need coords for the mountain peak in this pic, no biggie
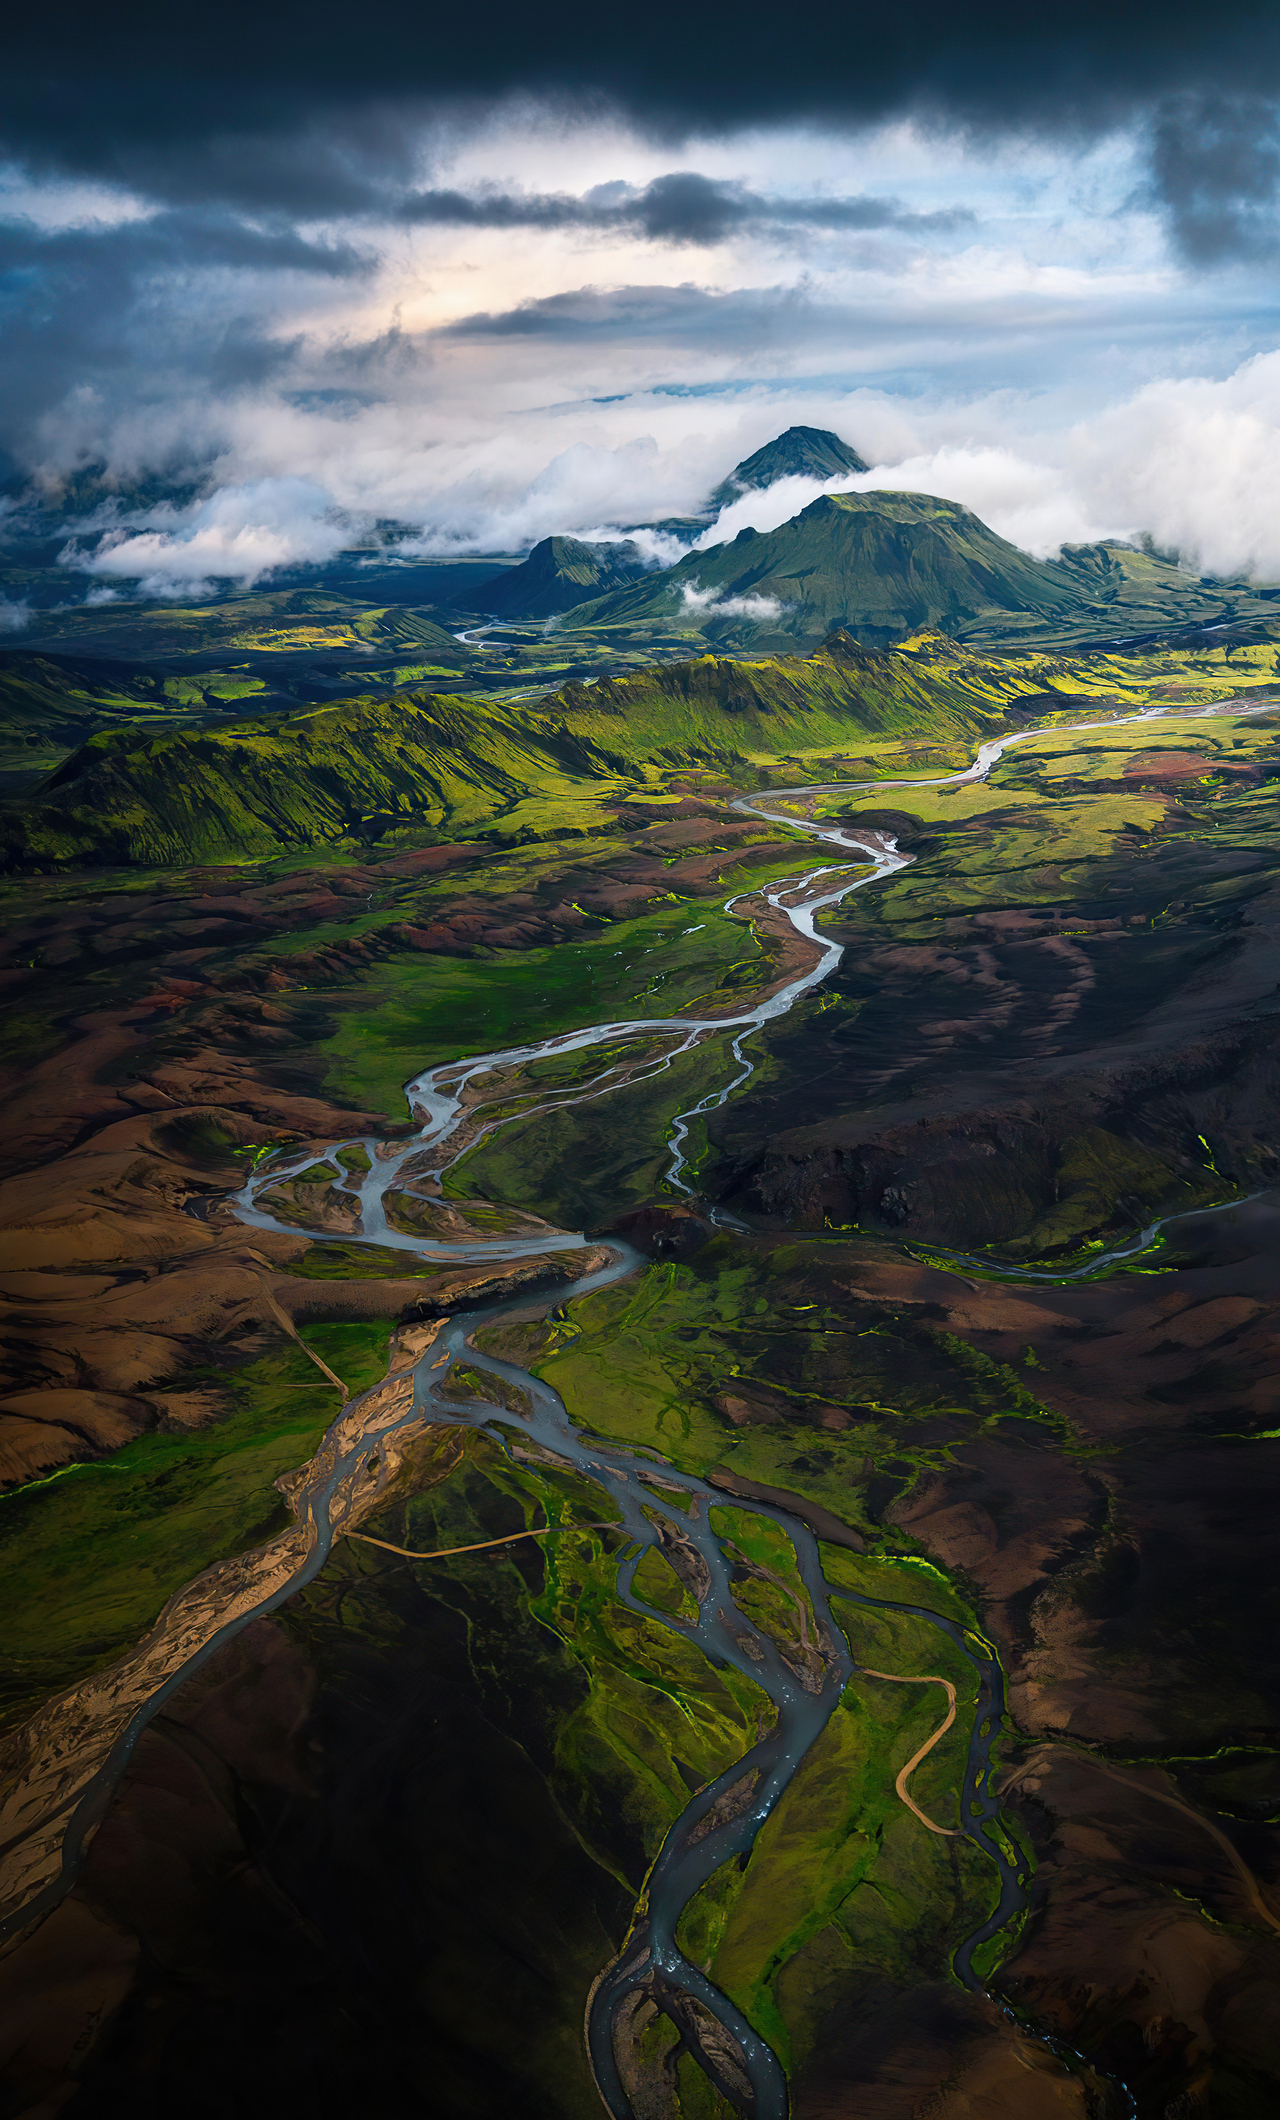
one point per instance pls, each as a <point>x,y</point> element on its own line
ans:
<point>802,452</point>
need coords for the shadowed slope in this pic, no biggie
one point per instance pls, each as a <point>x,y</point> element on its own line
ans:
<point>560,572</point>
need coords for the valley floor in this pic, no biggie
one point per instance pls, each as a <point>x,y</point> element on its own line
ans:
<point>373,1853</point>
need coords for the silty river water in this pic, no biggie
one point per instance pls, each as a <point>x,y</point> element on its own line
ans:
<point>722,1820</point>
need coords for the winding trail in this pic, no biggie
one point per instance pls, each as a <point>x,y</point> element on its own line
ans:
<point>899,1678</point>
<point>80,1744</point>
<point>446,1553</point>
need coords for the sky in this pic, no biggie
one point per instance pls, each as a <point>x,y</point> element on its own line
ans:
<point>276,282</point>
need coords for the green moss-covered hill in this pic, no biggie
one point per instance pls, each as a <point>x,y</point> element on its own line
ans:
<point>844,693</point>
<point>247,787</point>
<point>46,706</point>
<point>49,704</point>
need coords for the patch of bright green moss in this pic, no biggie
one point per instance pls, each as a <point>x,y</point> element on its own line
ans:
<point>844,1883</point>
<point>422,1009</point>
<point>356,1350</point>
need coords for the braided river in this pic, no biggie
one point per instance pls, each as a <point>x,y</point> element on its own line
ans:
<point>455,1105</point>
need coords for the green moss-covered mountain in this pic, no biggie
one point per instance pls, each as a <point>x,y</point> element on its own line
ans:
<point>802,452</point>
<point>563,572</point>
<point>47,706</point>
<point>886,565</point>
<point>883,564</point>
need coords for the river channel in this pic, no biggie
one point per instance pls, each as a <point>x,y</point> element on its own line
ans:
<point>721,1821</point>
<point>455,1105</point>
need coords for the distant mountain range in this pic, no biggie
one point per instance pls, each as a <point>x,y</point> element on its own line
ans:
<point>881,564</point>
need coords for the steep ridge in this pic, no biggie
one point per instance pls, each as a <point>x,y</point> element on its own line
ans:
<point>429,760</point>
<point>258,785</point>
<point>843,692</point>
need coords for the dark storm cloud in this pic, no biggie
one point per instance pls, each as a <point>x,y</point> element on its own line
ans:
<point>314,109</point>
<point>743,318</point>
<point>1004,339</point>
<point>682,207</point>
<point>255,69</point>
<point>101,302</point>
<point>1216,168</point>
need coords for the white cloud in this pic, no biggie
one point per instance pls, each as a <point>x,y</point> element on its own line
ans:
<point>657,548</point>
<point>1030,503</point>
<point>1010,368</point>
<point>759,607</point>
<point>13,617</point>
<point>767,509</point>
<point>239,534</point>
<point>1192,461</point>
<point>1025,501</point>
<point>591,488</point>
<point>1197,463</point>
<point>61,202</point>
